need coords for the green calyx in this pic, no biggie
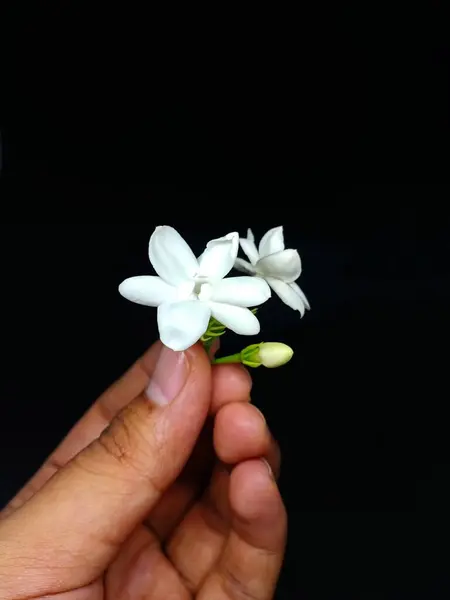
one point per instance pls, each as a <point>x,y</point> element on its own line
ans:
<point>248,356</point>
<point>215,330</point>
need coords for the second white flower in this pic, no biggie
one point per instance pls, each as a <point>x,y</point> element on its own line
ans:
<point>279,266</point>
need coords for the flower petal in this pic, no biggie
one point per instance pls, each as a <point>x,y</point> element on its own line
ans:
<point>171,256</point>
<point>218,258</point>
<point>297,289</point>
<point>181,324</point>
<point>147,290</point>
<point>238,319</point>
<point>242,265</point>
<point>271,242</point>
<point>287,294</point>
<point>241,291</point>
<point>285,265</point>
<point>249,247</point>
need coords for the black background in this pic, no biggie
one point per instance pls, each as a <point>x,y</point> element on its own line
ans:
<point>334,124</point>
<point>354,93</point>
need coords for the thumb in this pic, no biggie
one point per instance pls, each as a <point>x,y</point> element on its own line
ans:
<point>84,513</point>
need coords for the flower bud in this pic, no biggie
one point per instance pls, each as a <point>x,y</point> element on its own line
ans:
<point>275,354</point>
<point>268,354</point>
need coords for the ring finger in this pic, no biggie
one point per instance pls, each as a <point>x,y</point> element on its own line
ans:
<point>240,433</point>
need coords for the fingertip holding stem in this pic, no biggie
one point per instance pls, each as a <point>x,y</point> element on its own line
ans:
<point>231,383</point>
<point>213,348</point>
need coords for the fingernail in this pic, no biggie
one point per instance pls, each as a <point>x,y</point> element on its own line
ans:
<point>268,467</point>
<point>168,377</point>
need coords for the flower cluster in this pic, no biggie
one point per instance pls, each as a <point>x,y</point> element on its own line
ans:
<point>193,295</point>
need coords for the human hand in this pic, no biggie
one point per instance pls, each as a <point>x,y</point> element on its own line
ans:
<point>158,493</point>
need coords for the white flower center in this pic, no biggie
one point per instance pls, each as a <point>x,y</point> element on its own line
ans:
<point>258,271</point>
<point>195,290</point>
<point>205,292</point>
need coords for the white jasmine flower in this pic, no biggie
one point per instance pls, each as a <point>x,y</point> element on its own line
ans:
<point>188,291</point>
<point>280,267</point>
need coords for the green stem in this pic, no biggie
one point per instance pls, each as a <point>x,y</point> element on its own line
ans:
<point>232,358</point>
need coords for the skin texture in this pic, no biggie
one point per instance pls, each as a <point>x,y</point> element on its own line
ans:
<point>147,502</point>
